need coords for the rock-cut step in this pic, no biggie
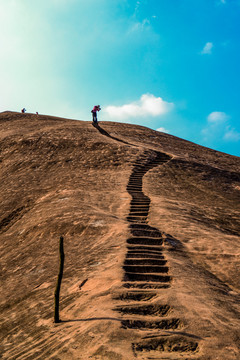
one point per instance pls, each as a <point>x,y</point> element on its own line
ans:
<point>175,343</point>
<point>128,276</point>
<point>146,269</point>
<point>144,310</point>
<point>136,296</point>
<point>145,241</point>
<point>136,208</point>
<point>145,285</point>
<point>141,219</point>
<point>138,213</point>
<point>141,255</point>
<point>134,187</point>
<point>144,253</point>
<point>145,262</point>
<point>146,248</point>
<point>172,323</point>
<point>147,233</point>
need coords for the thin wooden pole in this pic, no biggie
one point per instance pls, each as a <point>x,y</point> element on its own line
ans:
<point>59,280</point>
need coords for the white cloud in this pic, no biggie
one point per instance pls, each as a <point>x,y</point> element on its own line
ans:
<point>139,26</point>
<point>148,105</point>
<point>137,6</point>
<point>218,128</point>
<point>217,117</point>
<point>207,48</point>
<point>231,134</point>
<point>162,129</point>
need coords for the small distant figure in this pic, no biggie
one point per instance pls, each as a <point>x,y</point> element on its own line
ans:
<point>94,113</point>
<point>23,111</point>
<point>37,112</point>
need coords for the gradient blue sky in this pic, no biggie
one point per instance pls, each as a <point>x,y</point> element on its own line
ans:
<point>171,65</point>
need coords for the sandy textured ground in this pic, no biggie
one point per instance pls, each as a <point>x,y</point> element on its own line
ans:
<point>151,236</point>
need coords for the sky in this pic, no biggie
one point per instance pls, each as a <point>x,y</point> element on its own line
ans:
<point>172,66</point>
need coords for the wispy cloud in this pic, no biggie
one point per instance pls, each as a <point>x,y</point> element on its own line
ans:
<point>220,2</point>
<point>231,134</point>
<point>217,117</point>
<point>216,126</point>
<point>138,3</point>
<point>162,129</point>
<point>207,48</point>
<point>139,26</point>
<point>219,128</point>
<point>148,105</point>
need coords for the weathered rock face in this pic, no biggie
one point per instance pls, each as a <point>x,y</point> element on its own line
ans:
<point>151,235</point>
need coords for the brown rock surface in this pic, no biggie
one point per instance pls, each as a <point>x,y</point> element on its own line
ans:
<point>151,235</point>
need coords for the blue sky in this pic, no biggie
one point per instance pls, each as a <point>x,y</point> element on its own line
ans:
<point>171,65</point>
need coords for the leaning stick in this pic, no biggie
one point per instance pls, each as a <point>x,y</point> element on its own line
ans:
<point>59,280</point>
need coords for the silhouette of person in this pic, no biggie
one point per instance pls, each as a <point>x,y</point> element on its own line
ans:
<point>94,113</point>
<point>23,110</point>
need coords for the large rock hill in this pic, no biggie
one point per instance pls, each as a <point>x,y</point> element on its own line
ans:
<point>151,238</point>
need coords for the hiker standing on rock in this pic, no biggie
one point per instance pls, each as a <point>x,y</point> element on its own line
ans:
<point>94,113</point>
